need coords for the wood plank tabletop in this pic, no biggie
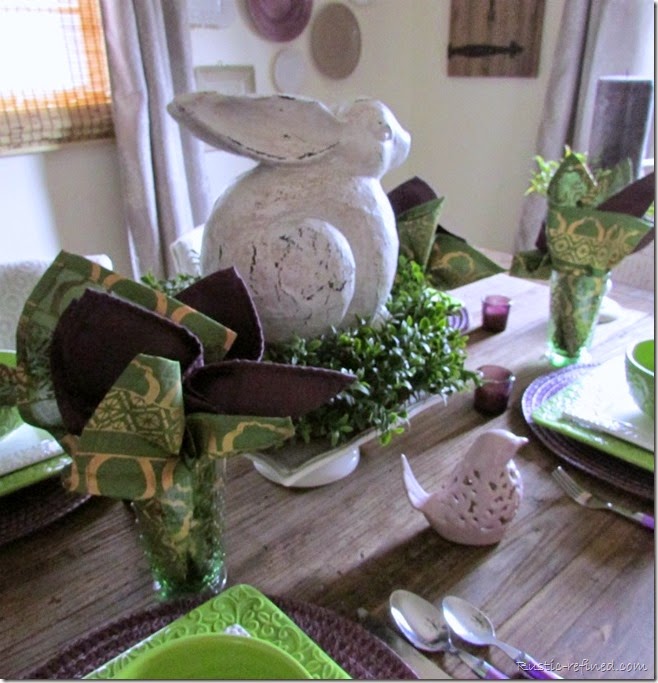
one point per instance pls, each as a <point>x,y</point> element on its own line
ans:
<point>572,586</point>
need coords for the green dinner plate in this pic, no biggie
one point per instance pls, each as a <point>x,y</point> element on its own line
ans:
<point>27,436</point>
<point>215,656</point>
<point>582,392</point>
<point>33,474</point>
<point>240,606</point>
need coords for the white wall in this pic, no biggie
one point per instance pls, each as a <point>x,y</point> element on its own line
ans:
<point>472,138</point>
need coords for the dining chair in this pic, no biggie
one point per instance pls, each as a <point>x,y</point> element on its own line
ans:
<point>186,251</point>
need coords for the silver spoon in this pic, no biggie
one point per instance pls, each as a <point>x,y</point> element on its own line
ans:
<point>473,626</point>
<point>422,625</point>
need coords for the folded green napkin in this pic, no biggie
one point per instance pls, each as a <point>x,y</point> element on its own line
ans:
<point>449,261</point>
<point>588,231</point>
<point>417,230</point>
<point>134,383</point>
<point>139,443</point>
<point>585,237</point>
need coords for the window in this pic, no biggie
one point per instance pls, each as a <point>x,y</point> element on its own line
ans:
<point>54,82</point>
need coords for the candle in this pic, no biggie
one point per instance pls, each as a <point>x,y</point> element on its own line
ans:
<point>495,310</point>
<point>492,396</point>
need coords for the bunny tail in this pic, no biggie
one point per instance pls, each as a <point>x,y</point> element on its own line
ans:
<point>415,492</point>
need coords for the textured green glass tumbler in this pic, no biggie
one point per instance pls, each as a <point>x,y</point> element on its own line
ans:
<point>574,310</point>
<point>182,533</point>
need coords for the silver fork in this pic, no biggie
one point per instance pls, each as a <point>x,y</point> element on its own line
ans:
<point>587,499</point>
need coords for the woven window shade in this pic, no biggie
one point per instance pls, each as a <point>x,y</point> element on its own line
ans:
<point>54,83</point>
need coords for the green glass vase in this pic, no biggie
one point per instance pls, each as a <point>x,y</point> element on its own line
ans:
<point>182,531</point>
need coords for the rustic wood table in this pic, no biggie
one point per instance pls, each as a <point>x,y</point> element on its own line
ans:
<point>573,586</point>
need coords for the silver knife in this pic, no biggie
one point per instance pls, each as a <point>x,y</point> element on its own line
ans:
<point>419,664</point>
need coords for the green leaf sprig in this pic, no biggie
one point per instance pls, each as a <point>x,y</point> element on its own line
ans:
<point>170,286</point>
<point>607,180</point>
<point>414,352</point>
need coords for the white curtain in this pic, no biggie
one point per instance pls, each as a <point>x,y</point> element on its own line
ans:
<point>597,38</point>
<point>165,190</point>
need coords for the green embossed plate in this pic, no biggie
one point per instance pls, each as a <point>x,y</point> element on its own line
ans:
<point>49,456</point>
<point>599,390</point>
<point>595,462</point>
<point>243,606</point>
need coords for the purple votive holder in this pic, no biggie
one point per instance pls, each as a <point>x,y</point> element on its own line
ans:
<point>492,396</point>
<point>495,311</point>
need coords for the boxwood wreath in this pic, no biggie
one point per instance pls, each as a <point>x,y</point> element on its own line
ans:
<point>415,352</point>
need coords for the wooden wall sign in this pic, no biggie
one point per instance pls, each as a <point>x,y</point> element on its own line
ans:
<point>495,37</point>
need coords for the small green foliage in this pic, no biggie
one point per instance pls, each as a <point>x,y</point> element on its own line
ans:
<point>171,286</point>
<point>541,178</point>
<point>606,181</point>
<point>412,353</point>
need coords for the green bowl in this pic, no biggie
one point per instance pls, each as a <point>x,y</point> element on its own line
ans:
<point>640,364</point>
<point>216,656</point>
<point>9,416</point>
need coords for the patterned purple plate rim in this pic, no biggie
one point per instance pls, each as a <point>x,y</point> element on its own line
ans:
<point>460,320</point>
<point>586,458</point>
<point>31,508</point>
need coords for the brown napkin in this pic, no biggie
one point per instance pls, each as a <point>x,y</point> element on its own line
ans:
<point>96,338</point>
<point>242,387</point>
<point>224,297</point>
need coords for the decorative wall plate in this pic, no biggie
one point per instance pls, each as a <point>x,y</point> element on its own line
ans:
<point>280,20</point>
<point>289,70</point>
<point>336,40</point>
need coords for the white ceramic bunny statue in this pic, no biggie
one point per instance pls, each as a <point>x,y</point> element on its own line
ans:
<point>480,498</point>
<point>310,228</point>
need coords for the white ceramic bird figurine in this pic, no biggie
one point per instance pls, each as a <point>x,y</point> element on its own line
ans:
<point>480,498</point>
<point>309,228</point>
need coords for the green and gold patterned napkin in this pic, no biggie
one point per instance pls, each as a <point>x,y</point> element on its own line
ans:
<point>449,261</point>
<point>139,442</point>
<point>585,238</point>
<point>106,365</point>
<point>588,231</point>
<point>417,230</point>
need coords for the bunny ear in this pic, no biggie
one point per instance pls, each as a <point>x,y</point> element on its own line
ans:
<point>275,129</point>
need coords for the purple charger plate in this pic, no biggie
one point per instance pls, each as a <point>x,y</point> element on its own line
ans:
<point>36,506</point>
<point>358,652</point>
<point>581,455</point>
<point>459,320</point>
